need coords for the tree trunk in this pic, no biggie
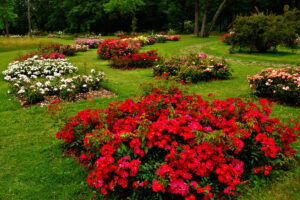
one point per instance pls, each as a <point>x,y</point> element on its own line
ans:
<point>196,30</point>
<point>220,8</point>
<point>133,23</point>
<point>29,18</point>
<point>204,18</point>
<point>6,28</point>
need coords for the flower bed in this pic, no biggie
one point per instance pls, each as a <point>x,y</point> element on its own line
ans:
<point>39,67</point>
<point>281,84</point>
<point>135,60</point>
<point>193,68</point>
<point>53,55</point>
<point>114,47</point>
<point>173,37</point>
<point>91,43</point>
<point>166,146</point>
<point>160,38</point>
<point>67,50</point>
<point>36,78</point>
<point>227,38</point>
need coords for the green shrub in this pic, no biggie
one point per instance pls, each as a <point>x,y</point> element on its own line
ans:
<point>262,32</point>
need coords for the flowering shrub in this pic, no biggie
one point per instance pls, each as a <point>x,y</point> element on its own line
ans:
<point>227,38</point>
<point>142,40</point>
<point>135,60</point>
<point>119,33</point>
<point>193,68</point>
<point>35,67</point>
<point>160,38</point>
<point>91,43</point>
<point>34,89</point>
<point>67,50</point>
<point>115,47</point>
<point>36,78</point>
<point>173,37</point>
<point>151,40</point>
<point>54,55</point>
<point>282,84</point>
<point>165,146</point>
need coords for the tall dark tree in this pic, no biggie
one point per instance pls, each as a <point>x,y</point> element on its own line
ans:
<point>204,18</point>
<point>196,31</point>
<point>7,15</point>
<point>29,19</point>
<point>217,14</point>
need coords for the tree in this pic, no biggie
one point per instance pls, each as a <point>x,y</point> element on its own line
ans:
<point>7,14</point>
<point>29,19</point>
<point>218,12</point>
<point>196,31</point>
<point>204,18</point>
<point>125,7</point>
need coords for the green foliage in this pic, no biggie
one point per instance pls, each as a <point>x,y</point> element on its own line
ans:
<point>7,14</point>
<point>265,31</point>
<point>125,7</point>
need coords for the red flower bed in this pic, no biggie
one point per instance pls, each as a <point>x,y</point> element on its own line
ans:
<point>166,146</point>
<point>115,47</point>
<point>52,55</point>
<point>173,37</point>
<point>135,60</point>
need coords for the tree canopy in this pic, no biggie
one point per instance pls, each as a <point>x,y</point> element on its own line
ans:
<point>109,16</point>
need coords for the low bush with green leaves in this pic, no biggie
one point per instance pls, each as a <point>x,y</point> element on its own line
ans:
<point>261,32</point>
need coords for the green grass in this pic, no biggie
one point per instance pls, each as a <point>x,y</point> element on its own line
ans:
<point>31,164</point>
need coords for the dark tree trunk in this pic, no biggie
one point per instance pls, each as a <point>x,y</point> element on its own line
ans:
<point>6,28</point>
<point>196,30</point>
<point>29,18</point>
<point>220,8</point>
<point>204,18</point>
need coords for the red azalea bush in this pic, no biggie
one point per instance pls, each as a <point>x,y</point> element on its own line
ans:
<point>115,47</point>
<point>227,38</point>
<point>172,146</point>
<point>135,60</point>
<point>173,37</point>
<point>53,55</point>
<point>151,40</point>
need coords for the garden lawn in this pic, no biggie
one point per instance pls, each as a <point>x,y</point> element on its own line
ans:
<point>31,161</point>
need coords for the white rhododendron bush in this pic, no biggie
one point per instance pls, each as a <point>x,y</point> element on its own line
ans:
<point>35,78</point>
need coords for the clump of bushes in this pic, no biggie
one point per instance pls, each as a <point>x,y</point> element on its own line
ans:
<point>135,60</point>
<point>193,68</point>
<point>175,146</point>
<point>280,84</point>
<point>261,32</point>
<point>114,47</point>
<point>35,78</point>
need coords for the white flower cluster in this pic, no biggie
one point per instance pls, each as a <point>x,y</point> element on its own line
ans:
<point>33,89</point>
<point>35,67</point>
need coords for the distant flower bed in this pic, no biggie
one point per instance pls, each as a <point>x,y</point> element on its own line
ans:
<point>193,68</point>
<point>91,43</point>
<point>115,47</point>
<point>282,84</point>
<point>172,146</point>
<point>35,78</point>
<point>53,55</point>
<point>173,37</point>
<point>227,38</point>
<point>67,50</point>
<point>135,60</point>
